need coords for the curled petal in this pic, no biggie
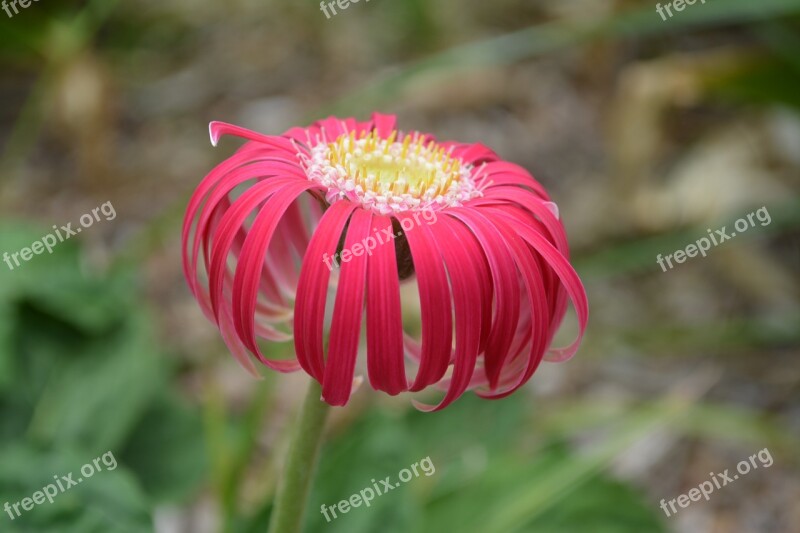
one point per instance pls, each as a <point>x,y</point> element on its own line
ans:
<point>384,315</point>
<point>312,288</point>
<point>218,129</point>
<point>461,256</point>
<point>436,308</point>
<point>347,312</point>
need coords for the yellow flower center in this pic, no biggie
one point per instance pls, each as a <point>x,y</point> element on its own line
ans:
<point>384,165</point>
<point>393,174</point>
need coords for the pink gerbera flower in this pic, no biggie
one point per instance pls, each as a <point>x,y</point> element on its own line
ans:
<point>490,258</point>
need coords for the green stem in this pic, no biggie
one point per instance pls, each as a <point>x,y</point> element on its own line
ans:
<point>290,502</point>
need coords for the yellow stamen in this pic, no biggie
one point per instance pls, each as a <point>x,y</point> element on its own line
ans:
<point>385,165</point>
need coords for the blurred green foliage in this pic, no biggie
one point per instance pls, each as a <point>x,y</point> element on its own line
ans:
<point>82,374</point>
<point>481,465</point>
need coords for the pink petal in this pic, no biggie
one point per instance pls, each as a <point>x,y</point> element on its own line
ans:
<point>461,256</point>
<point>251,261</point>
<point>218,129</point>
<point>222,180</point>
<point>312,289</point>
<point>435,305</point>
<point>515,374</point>
<point>384,124</point>
<point>230,226</point>
<point>504,278</point>
<point>570,280</point>
<point>384,316</point>
<point>347,313</point>
<point>499,173</point>
<point>536,207</point>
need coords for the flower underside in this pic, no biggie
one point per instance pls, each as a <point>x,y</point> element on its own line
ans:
<point>391,175</point>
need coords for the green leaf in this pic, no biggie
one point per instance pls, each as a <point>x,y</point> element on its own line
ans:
<point>484,472</point>
<point>377,446</point>
<point>82,371</point>
<point>167,450</point>
<point>608,505</point>
<point>113,379</point>
<point>108,500</point>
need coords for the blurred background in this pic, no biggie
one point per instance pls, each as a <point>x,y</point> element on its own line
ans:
<point>646,131</point>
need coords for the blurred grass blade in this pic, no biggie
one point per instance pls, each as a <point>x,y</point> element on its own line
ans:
<point>541,494</point>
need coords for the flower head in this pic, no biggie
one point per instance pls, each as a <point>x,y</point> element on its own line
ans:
<point>480,237</point>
